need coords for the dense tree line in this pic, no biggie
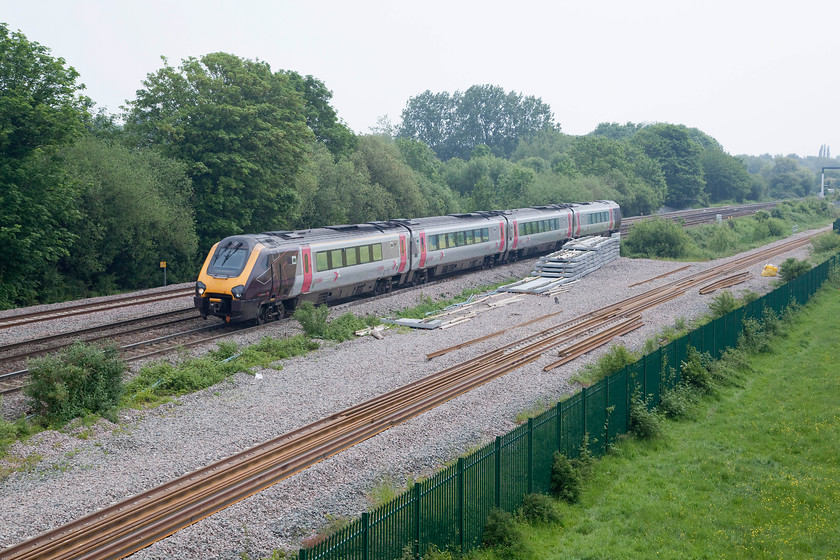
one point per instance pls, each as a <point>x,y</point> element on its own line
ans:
<point>90,203</point>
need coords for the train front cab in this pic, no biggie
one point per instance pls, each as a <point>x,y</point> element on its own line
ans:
<point>221,287</point>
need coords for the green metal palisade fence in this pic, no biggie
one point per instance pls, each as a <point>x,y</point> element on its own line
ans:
<point>449,510</point>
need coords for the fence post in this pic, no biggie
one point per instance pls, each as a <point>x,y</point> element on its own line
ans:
<point>559,426</point>
<point>530,486</point>
<point>303,554</point>
<point>460,499</point>
<point>498,484</point>
<point>583,411</point>
<point>417,520</point>
<point>365,536</point>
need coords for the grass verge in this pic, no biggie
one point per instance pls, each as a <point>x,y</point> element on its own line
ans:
<point>755,475</point>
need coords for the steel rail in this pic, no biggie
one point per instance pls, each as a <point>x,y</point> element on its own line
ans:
<point>586,346</point>
<point>659,277</point>
<point>489,336</point>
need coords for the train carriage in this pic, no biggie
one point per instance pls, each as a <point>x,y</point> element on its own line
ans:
<point>354,259</point>
<point>447,244</point>
<point>596,218</point>
<point>538,229</point>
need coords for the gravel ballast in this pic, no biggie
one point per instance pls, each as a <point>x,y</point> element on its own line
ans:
<point>79,471</point>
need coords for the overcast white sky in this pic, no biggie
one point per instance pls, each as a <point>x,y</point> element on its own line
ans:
<point>759,76</point>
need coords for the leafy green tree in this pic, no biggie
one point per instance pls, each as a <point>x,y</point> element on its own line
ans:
<point>616,131</point>
<point>134,210</point>
<point>384,165</point>
<point>548,144</point>
<point>637,179</point>
<point>788,179</point>
<point>320,115</point>
<point>726,177</point>
<point>240,127</point>
<point>452,125</point>
<point>679,156</point>
<point>41,110</point>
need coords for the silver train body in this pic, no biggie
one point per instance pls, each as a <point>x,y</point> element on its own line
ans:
<point>259,277</point>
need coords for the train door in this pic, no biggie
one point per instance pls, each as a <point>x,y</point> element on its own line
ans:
<point>502,235</point>
<point>515,235</point>
<point>403,253</point>
<point>422,249</point>
<point>285,270</point>
<point>307,269</point>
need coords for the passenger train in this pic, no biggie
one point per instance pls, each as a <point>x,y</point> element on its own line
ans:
<point>261,277</point>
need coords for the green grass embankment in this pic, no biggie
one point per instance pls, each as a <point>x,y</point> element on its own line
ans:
<point>755,473</point>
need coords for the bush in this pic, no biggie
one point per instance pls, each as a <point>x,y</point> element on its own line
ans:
<point>81,379</point>
<point>777,228</point>
<point>501,530</point>
<point>606,364</point>
<point>566,480</point>
<point>313,320</point>
<point>656,237</point>
<point>10,432</point>
<point>585,461</point>
<point>722,239</point>
<point>826,242</point>
<point>644,423</point>
<point>722,304</point>
<point>792,268</point>
<point>678,402</point>
<point>538,508</point>
<point>696,370</point>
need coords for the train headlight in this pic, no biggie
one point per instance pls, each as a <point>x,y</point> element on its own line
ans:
<point>199,288</point>
<point>237,292</point>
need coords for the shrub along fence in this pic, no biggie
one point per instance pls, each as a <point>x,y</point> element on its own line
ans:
<point>449,510</point>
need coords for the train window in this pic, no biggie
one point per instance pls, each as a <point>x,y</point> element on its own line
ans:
<point>462,239</point>
<point>485,234</point>
<point>433,243</point>
<point>321,261</point>
<point>336,258</point>
<point>306,264</point>
<point>293,259</point>
<point>450,240</point>
<point>402,246</point>
<point>351,256</point>
<point>377,251</point>
<point>470,237</point>
<point>364,254</point>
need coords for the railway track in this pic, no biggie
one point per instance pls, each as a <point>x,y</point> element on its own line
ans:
<point>132,524</point>
<point>12,381</point>
<point>131,300</point>
<point>691,218</point>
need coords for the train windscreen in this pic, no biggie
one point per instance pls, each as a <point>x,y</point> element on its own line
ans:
<point>229,260</point>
